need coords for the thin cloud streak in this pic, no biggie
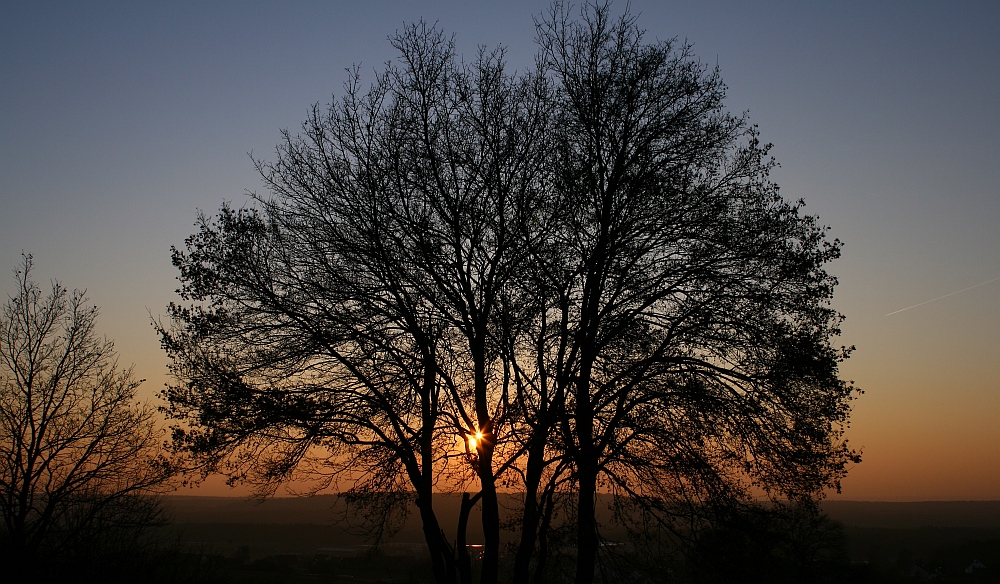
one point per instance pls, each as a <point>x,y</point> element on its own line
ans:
<point>945,296</point>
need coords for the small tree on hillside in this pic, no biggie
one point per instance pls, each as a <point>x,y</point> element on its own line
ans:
<point>77,450</point>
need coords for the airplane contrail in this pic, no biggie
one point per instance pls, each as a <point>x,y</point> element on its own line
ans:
<point>945,296</point>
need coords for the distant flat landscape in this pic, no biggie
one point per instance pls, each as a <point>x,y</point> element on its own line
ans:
<point>908,515</point>
<point>325,509</point>
<point>889,535</point>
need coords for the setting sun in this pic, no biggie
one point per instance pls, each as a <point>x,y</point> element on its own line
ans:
<point>474,440</point>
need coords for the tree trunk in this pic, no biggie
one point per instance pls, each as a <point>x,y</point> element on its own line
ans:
<point>491,517</point>
<point>586,462</point>
<point>490,509</point>
<point>530,516</point>
<point>543,535</point>
<point>464,561</point>
<point>586,534</point>
<point>442,558</point>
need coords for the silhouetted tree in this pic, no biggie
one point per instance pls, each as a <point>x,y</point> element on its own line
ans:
<point>565,280</point>
<point>80,458</point>
<point>349,322</point>
<point>695,339</point>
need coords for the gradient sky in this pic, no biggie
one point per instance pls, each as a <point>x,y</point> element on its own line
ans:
<point>119,120</point>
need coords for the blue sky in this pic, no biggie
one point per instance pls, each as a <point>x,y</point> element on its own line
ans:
<point>119,120</point>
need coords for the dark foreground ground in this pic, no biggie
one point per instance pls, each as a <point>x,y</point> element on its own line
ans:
<point>301,540</point>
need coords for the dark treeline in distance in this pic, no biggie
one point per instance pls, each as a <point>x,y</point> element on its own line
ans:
<point>564,281</point>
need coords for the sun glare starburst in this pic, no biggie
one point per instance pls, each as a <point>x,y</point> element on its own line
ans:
<point>474,440</point>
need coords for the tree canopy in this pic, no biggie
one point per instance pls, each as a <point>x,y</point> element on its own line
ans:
<point>572,279</point>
